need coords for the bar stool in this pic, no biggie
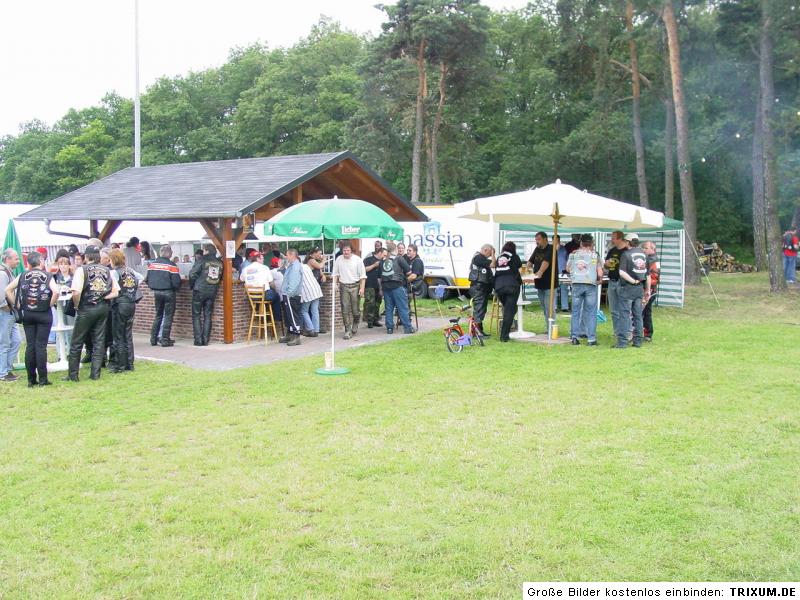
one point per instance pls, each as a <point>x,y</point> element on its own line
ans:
<point>261,317</point>
<point>494,316</point>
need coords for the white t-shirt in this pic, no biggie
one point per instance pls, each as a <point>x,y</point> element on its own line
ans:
<point>257,274</point>
<point>277,277</point>
<point>349,270</point>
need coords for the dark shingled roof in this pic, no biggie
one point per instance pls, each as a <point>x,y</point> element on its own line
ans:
<point>191,191</point>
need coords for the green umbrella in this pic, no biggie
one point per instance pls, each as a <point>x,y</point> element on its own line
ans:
<point>12,241</point>
<point>336,219</point>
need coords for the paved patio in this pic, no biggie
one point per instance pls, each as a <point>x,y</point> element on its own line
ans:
<point>222,357</point>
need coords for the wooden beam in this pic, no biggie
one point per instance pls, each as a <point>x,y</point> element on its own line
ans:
<point>108,230</point>
<point>213,234</point>
<point>93,228</point>
<point>227,284</point>
<point>297,196</point>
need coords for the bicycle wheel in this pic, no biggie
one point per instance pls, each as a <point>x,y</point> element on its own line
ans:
<point>451,339</point>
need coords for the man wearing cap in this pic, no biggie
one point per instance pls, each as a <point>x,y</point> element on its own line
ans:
<point>586,272</point>
<point>256,273</point>
<point>633,278</point>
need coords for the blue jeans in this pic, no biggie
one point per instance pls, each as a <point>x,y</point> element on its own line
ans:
<point>10,340</point>
<point>275,299</point>
<point>310,311</point>
<point>629,306</point>
<point>789,268</point>
<point>563,295</point>
<point>396,298</point>
<point>544,301</point>
<point>584,311</point>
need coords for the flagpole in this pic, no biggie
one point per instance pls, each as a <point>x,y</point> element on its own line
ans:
<point>137,120</point>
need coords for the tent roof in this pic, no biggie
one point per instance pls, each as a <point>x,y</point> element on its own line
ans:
<point>213,189</point>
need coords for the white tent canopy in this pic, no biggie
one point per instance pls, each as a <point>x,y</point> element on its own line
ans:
<point>578,210</point>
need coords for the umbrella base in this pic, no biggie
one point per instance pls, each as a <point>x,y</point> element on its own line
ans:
<point>333,371</point>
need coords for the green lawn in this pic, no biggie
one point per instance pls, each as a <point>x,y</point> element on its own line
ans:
<point>420,474</point>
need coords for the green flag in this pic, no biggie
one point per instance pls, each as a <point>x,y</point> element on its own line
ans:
<point>12,241</point>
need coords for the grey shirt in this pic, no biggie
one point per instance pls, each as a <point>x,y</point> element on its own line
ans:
<point>5,279</point>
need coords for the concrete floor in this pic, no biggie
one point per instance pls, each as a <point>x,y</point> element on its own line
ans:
<point>222,357</point>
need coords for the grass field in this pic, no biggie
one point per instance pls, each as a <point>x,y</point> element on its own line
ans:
<point>420,474</point>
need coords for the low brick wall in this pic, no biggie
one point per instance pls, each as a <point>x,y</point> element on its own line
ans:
<point>182,322</point>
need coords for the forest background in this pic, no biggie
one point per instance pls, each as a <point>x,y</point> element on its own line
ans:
<point>453,101</point>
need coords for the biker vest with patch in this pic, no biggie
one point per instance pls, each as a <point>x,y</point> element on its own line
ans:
<point>478,274</point>
<point>96,284</point>
<point>127,285</point>
<point>35,292</point>
<point>391,270</point>
<point>212,271</point>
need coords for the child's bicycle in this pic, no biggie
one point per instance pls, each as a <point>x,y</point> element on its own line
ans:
<point>454,335</point>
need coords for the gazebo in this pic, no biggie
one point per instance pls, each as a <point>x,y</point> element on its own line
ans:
<point>226,197</point>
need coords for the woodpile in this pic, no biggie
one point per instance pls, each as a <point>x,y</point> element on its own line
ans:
<point>714,259</point>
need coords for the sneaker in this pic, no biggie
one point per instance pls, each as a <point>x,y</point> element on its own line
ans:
<point>592,343</point>
<point>648,338</point>
<point>575,342</point>
<point>377,324</point>
<point>637,344</point>
<point>390,331</point>
<point>166,343</point>
<point>620,346</point>
<point>347,335</point>
<point>409,330</point>
<point>9,377</point>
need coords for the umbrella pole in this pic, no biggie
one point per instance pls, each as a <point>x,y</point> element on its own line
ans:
<point>551,321</point>
<point>334,370</point>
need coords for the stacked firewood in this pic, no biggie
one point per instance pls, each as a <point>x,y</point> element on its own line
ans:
<point>713,258</point>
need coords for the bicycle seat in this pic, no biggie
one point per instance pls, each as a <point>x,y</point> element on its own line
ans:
<point>454,320</point>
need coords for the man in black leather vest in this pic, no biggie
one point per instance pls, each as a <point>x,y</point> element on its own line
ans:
<point>92,288</point>
<point>204,278</point>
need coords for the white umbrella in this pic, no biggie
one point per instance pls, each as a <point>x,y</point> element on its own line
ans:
<point>578,209</point>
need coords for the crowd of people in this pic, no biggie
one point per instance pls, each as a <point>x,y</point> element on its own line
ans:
<point>100,290</point>
<point>632,270</point>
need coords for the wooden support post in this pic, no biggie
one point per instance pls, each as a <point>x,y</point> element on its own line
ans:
<point>93,228</point>
<point>298,194</point>
<point>108,230</point>
<point>213,234</point>
<point>227,283</point>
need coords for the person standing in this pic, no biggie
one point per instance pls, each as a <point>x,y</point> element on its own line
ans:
<point>542,272</point>
<point>38,292</point>
<point>586,272</point>
<point>123,309</point>
<point>372,288</point>
<point>350,275</point>
<point>133,258</point>
<point>481,280</point>
<point>204,278</point>
<point>507,283</point>
<point>562,289</point>
<point>164,278</point>
<point>310,294</point>
<point>394,271</point>
<point>10,340</point>
<point>791,244</point>
<point>618,246</point>
<point>63,278</point>
<point>92,288</point>
<point>651,290</point>
<point>632,280</point>
<point>290,294</point>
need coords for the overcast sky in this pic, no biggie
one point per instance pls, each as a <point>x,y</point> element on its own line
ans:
<point>61,54</point>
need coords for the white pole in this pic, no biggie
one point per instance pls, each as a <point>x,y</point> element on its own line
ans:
<point>333,321</point>
<point>137,120</point>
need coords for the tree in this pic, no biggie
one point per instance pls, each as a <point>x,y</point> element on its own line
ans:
<point>641,177</point>
<point>767,101</point>
<point>682,127</point>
